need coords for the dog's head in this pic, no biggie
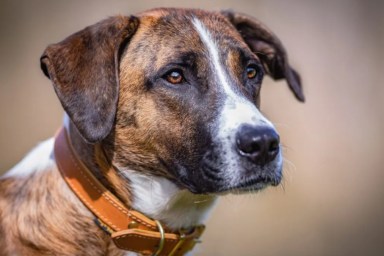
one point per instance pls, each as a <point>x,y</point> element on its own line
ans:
<point>175,93</point>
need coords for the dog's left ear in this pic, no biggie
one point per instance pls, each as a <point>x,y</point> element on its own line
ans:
<point>268,48</point>
<point>84,69</point>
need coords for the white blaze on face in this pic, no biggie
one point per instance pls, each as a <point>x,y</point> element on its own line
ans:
<point>246,112</point>
<point>237,110</point>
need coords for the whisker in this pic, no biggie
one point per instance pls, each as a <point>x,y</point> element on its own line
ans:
<point>291,166</point>
<point>286,148</point>
<point>283,184</point>
<point>201,201</point>
<point>279,125</point>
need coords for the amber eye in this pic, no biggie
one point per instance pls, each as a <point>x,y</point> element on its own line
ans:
<point>174,77</point>
<point>251,72</point>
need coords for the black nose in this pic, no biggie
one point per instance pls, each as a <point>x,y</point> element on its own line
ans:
<point>258,144</point>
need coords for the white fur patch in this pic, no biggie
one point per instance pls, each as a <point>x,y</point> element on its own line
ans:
<point>236,111</point>
<point>39,159</point>
<point>130,254</point>
<point>211,46</point>
<point>245,111</point>
<point>160,199</point>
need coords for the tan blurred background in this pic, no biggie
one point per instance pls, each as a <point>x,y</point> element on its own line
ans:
<point>332,201</point>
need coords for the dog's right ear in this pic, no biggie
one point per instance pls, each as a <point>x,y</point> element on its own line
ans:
<point>84,69</point>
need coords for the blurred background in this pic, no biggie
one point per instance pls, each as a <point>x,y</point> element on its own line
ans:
<point>332,198</point>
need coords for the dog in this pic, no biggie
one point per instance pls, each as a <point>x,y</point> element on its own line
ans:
<point>162,114</point>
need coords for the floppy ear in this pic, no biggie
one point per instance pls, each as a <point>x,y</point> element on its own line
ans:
<point>268,48</point>
<point>84,69</point>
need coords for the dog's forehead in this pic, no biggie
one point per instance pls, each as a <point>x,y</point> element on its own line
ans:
<point>171,35</point>
<point>179,18</point>
<point>177,27</point>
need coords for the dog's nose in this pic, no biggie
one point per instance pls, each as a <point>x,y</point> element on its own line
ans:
<point>258,144</point>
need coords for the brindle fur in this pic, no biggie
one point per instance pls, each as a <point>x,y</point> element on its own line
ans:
<point>117,101</point>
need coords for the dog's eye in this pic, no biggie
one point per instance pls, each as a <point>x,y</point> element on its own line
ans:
<point>174,76</point>
<point>251,72</point>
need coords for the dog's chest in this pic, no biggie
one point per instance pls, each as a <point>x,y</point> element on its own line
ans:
<point>162,200</point>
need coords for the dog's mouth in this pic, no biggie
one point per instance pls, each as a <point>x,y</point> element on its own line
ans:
<point>253,184</point>
<point>244,185</point>
<point>215,177</point>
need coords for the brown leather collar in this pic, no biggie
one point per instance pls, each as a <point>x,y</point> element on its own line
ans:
<point>129,229</point>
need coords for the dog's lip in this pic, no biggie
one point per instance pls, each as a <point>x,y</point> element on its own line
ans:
<point>274,181</point>
<point>248,185</point>
<point>251,183</point>
<point>254,184</point>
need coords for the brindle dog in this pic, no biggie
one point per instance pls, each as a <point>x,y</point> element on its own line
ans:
<point>170,99</point>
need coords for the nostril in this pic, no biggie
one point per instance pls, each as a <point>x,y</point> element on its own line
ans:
<point>274,146</point>
<point>258,144</point>
<point>249,145</point>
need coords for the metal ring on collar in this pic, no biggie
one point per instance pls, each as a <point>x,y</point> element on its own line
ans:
<point>161,243</point>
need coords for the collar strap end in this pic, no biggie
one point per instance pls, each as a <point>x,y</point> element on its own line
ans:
<point>148,242</point>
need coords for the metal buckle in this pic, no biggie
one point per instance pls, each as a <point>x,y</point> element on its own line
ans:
<point>161,243</point>
<point>178,245</point>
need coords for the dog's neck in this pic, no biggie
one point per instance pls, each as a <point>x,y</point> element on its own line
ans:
<point>154,196</point>
<point>93,157</point>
